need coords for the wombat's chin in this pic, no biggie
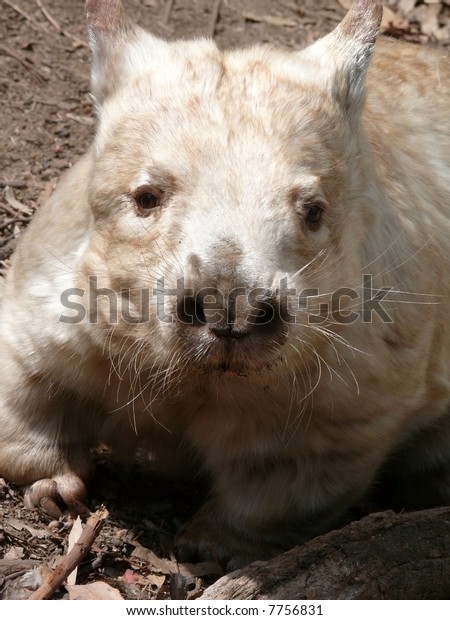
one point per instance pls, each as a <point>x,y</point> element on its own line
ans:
<point>235,354</point>
<point>238,368</point>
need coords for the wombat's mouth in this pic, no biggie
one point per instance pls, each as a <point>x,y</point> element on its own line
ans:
<point>238,338</point>
<point>244,354</point>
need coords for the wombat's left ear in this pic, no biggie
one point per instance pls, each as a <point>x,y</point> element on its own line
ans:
<point>112,35</point>
<point>343,56</point>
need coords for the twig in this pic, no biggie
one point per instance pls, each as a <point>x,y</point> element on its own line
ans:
<point>33,23</point>
<point>215,17</point>
<point>78,42</point>
<point>48,15</point>
<point>8,210</point>
<point>90,532</point>
<point>168,11</point>
<point>15,220</point>
<point>16,184</point>
<point>42,77</point>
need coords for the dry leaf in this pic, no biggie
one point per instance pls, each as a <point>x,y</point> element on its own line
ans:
<point>391,19</point>
<point>406,6</point>
<point>427,16</point>
<point>14,553</point>
<point>74,535</point>
<point>14,203</point>
<point>168,567</point>
<point>83,120</point>
<point>156,582</point>
<point>19,525</point>
<point>273,20</point>
<point>97,591</point>
<point>21,578</point>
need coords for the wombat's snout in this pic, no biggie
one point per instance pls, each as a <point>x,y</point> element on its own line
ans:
<point>222,301</point>
<point>232,312</point>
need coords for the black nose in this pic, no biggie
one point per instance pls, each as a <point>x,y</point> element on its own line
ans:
<point>236,315</point>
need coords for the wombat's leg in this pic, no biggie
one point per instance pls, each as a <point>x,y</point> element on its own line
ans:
<point>418,475</point>
<point>42,443</point>
<point>211,536</point>
<point>259,515</point>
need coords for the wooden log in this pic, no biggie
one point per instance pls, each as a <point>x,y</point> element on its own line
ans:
<point>382,556</point>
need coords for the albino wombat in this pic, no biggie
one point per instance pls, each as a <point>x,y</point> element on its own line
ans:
<point>249,270</point>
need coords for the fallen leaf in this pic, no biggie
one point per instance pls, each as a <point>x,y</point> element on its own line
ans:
<point>169,567</point>
<point>427,16</point>
<point>14,203</point>
<point>23,578</point>
<point>83,120</point>
<point>346,4</point>
<point>74,535</point>
<point>19,525</point>
<point>391,19</point>
<point>14,553</point>
<point>273,20</point>
<point>156,582</point>
<point>96,591</point>
<point>406,6</point>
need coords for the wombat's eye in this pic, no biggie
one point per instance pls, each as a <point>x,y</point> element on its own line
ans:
<point>146,200</point>
<point>313,213</point>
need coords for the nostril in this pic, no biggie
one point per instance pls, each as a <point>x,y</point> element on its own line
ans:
<point>190,311</point>
<point>229,331</point>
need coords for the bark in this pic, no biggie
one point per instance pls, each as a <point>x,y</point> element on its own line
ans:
<point>383,556</point>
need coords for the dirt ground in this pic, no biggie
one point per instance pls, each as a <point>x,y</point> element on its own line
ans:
<point>47,122</point>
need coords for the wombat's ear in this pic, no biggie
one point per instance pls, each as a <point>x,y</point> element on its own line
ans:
<point>112,35</point>
<point>344,54</point>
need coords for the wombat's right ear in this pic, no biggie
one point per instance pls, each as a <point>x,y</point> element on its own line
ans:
<point>111,36</point>
<point>342,57</point>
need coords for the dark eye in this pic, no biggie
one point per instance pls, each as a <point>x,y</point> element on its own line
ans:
<point>146,200</point>
<point>313,213</point>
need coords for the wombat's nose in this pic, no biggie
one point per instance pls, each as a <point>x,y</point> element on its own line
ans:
<point>235,315</point>
<point>228,330</point>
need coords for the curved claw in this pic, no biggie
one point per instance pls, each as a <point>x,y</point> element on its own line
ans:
<point>50,494</point>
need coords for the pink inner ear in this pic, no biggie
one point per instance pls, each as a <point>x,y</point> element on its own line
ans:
<point>106,15</point>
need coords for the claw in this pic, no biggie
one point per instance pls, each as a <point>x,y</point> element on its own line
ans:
<point>50,494</point>
<point>47,505</point>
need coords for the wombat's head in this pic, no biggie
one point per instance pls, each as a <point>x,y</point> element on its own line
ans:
<point>224,185</point>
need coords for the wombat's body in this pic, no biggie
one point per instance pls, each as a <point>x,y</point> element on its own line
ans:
<point>256,170</point>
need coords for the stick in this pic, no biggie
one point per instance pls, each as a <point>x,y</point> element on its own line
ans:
<point>90,532</point>
<point>34,24</point>
<point>215,17</point>
<point>42,77</point>
<point>77,42</point>
<point>48,15</point>
<point>168,11</point>
<point>17,184</point>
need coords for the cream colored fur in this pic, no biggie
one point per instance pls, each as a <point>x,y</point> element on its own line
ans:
<point>292,424</point>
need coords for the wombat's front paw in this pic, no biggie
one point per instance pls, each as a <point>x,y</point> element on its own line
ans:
<point>51,494</point>
<point>208,536</point>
